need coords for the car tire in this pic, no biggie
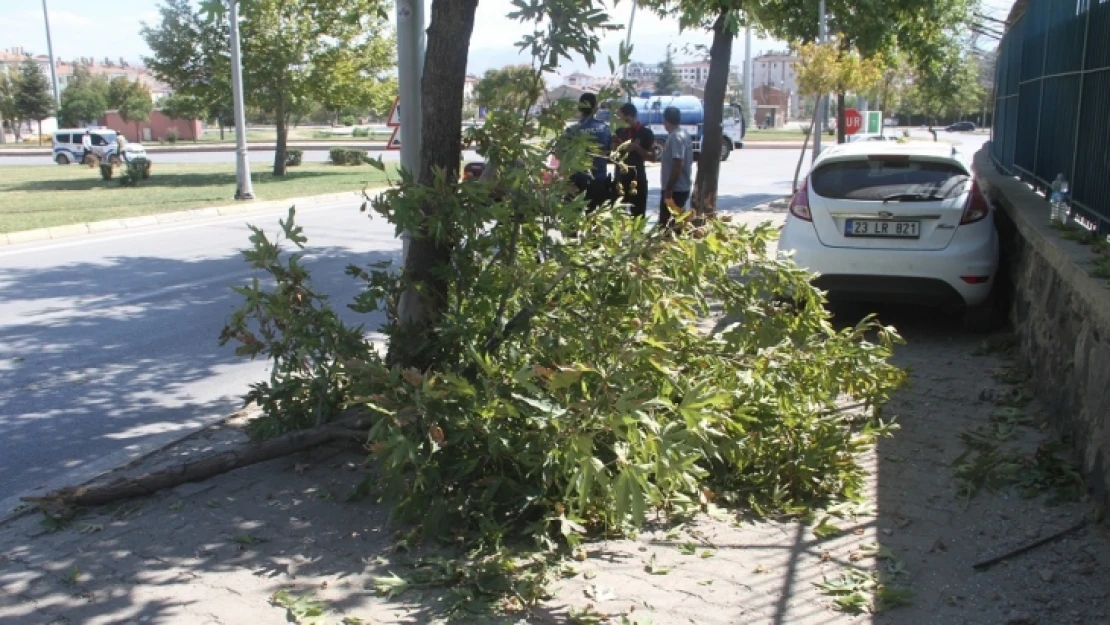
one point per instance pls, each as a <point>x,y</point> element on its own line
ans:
<point>980,319</point>
<point>726,149</point>
<point>61,159</point>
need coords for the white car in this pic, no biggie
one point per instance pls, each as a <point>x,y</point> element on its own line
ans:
<point>881,221</point>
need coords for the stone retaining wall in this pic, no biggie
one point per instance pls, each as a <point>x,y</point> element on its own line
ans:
<point>1061,317</point>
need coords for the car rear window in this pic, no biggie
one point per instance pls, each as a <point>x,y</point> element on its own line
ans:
<point>878,178</point>
<point>61,138</point>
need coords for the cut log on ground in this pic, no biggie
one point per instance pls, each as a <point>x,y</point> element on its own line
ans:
<point>204,468</point>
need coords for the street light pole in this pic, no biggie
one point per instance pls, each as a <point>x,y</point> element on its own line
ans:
<point>410,68</point>
<point>50,52</point>
<point>749,76</point>
<point>243,188</point>
<point>822,115</point>
<point>628,42</point>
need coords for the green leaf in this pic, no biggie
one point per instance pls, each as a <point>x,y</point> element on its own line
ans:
<point>391,586</point>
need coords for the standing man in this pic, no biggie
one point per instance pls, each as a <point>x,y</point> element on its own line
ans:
<point>86,146</point>
<point>596,183</point>
<point>641,142</point>
<point>677,160</point>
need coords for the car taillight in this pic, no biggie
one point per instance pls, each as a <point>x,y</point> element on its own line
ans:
<point>977,207</point>
<point>799,204</point>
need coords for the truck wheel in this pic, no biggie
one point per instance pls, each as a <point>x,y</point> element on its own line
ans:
<point>726,148</point>
<point>61,159</point>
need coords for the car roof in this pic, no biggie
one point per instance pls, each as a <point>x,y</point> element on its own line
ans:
<point>927,149</point>
<point>70,131</point>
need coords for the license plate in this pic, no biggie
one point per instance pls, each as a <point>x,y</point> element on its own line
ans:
<point>882,228</point>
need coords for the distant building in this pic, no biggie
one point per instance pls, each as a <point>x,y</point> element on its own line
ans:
<point>771,104</point>
<point>580,80</point>
<point>11,59</point>
<point>778,69</point>
<point>154,130</point>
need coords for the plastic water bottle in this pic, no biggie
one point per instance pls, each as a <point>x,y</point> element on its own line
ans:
<point>1058,201</point>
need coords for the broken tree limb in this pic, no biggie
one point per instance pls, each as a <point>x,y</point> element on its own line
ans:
<point>203,468</point>
<point>986,564</point>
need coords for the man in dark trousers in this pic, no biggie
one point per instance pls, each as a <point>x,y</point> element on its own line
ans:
<point>596,182</point>
<point>677,160</point>
<point>641,140</point>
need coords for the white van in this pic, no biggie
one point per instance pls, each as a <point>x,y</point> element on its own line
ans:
<point>69,149</point>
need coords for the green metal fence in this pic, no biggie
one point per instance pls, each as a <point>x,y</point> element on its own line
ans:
<point>1052,102</point>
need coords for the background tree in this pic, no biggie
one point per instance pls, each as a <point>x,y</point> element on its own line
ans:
<point>667,81</point>
<point>924,32</point>
<point>85,99</point>
<point>8,112</point>
<point>296,52</point>
<point>511,88</point>
<point>33,99</point>
<point>190,53</point>
<point>134,104</point>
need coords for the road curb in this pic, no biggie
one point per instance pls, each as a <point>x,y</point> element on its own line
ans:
<point>147,221</point>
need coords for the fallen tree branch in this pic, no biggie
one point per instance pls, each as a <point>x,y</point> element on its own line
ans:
<point>203,468</point>
<point>986,564</point>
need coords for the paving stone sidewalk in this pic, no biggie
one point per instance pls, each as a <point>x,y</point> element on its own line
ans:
<point>215,552</point>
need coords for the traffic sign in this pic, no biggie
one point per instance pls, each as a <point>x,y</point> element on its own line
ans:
<point>394,114</point>
<point>395,139</point>
<point>853,121</point>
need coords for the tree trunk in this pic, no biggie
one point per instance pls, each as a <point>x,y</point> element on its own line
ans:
<point>40,132</point>
<point>840,136</point>
<point>716,86</point>
<point>203,468</point>
<point>282,135</point>
<point>221,122</point>
<point>442,85</point>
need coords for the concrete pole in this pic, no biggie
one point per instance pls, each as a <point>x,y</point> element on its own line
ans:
<point>243,187</point>
<point>749,76</point>
<point>628,43</point>
<point>410,68</point>
<point>822,114</point>
<point>50,53</point>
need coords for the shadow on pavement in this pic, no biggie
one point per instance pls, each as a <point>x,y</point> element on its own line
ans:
<point>100,358</point>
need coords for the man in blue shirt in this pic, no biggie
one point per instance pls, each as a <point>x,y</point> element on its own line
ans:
<point>596,183</point>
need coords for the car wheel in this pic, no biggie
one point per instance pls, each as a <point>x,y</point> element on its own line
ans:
<point>726,149</point>
<point>61,159</point>
<point>980,318</point>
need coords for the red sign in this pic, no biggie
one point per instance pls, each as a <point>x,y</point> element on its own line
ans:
<point>395,123</point>
<point>853,121</point>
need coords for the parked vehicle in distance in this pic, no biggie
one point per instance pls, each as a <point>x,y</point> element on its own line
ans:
<point>891,222</point>
<point>961,127</point>
<point>68,147</point>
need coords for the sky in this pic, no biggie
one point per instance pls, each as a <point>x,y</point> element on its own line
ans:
<point>100,28</point>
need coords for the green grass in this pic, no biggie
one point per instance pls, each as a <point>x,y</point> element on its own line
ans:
<point>49,196</point>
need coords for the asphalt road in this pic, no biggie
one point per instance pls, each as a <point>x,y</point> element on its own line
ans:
<point>108,343</point>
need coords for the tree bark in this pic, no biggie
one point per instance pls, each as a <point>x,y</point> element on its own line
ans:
<point>282,135</point>
<point>716,87</point>
<point>204,468</point>
<point>40,132</point>
<point>444,78</point>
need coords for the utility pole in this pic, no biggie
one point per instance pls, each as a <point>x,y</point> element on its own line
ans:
<point>243,188</point>
<point>822,115</point>
<point>628,44</point>
<point>749,74</point>
<point>50,53</point>
<point>410,68</point>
